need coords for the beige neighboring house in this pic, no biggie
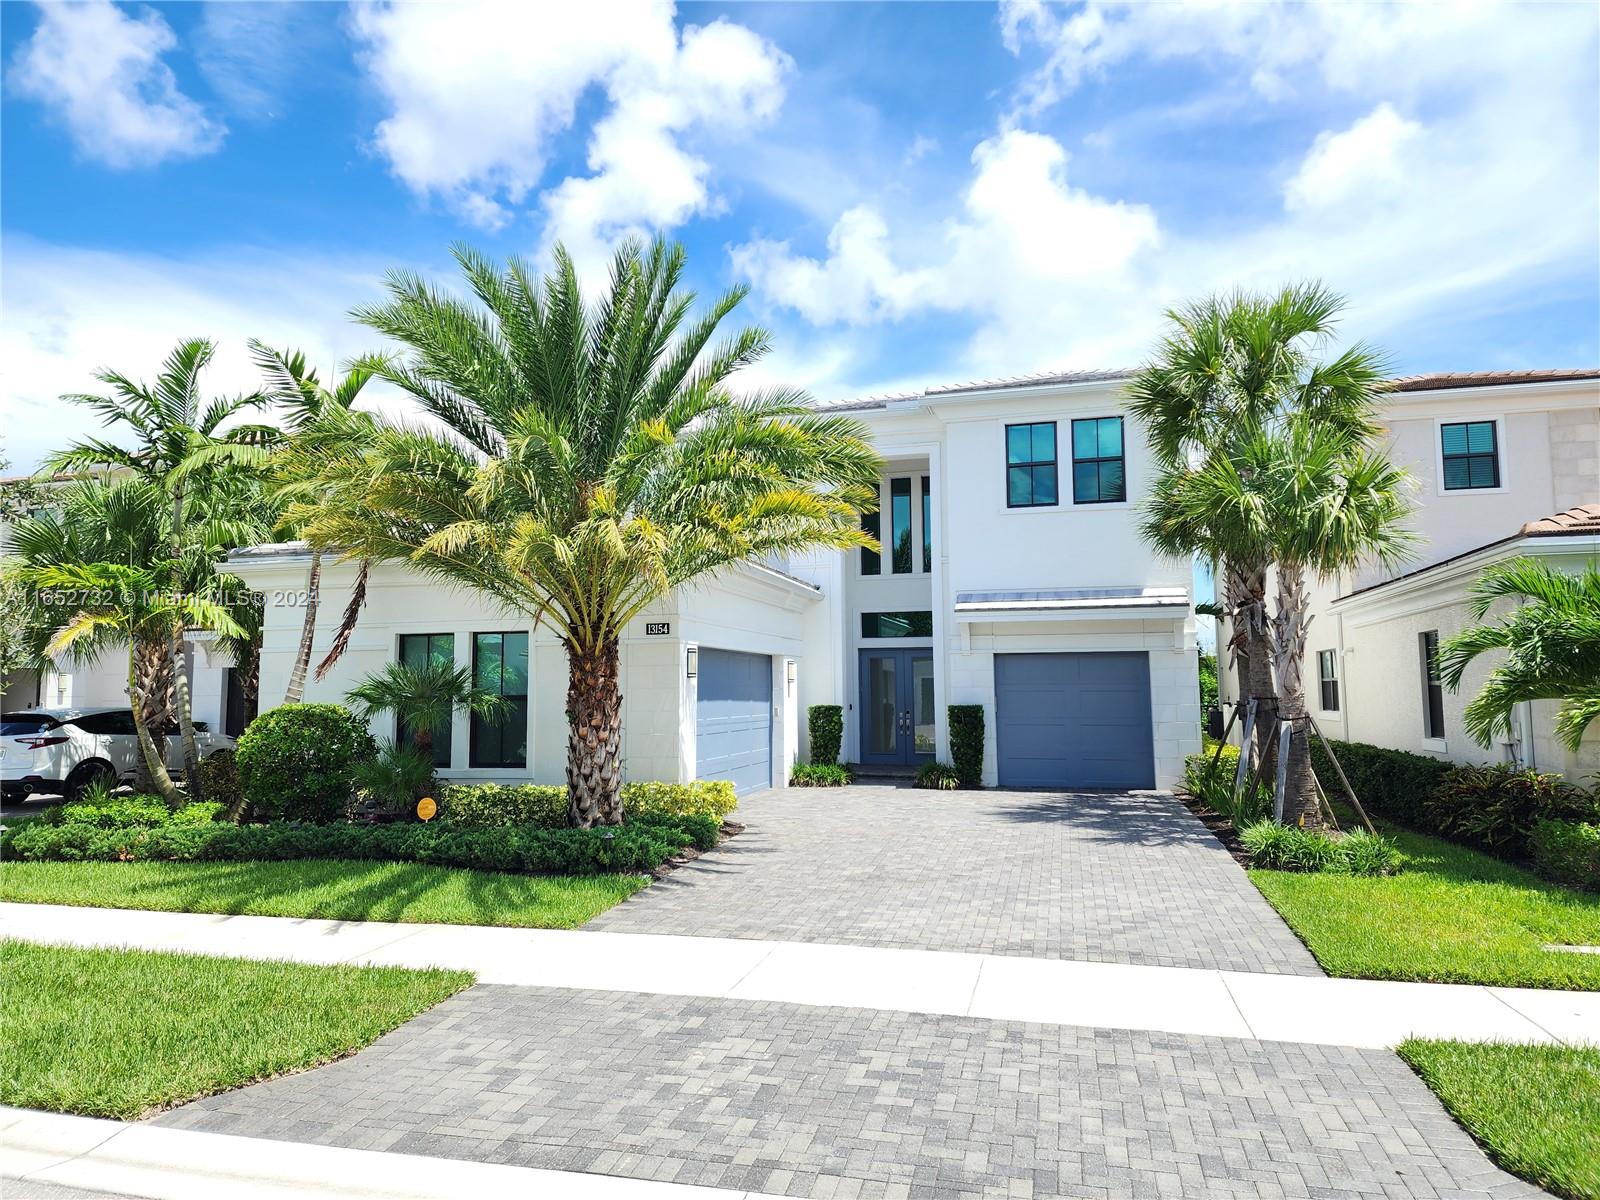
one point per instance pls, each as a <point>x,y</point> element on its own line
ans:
<point>1507,464</point>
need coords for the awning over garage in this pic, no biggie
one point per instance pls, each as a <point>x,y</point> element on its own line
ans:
<point>1066,602</point>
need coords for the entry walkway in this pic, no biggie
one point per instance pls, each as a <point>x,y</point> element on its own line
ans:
<point>1261,1006</point>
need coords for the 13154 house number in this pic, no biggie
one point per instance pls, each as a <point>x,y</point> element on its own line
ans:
<point>652,628</point>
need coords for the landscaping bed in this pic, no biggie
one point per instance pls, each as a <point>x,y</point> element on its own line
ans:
<point>1535,1109</point>
<point>120,1033</point>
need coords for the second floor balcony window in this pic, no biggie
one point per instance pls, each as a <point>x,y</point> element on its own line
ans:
<point>1031,465</point>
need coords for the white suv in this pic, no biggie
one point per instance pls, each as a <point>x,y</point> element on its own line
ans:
<point>63,751</point>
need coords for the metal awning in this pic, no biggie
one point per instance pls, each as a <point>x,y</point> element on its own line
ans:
<point>1130,601</point>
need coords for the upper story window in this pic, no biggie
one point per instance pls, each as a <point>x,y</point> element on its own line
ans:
<point>1031,465</point>
<point>1471,455</point>
<point>871,563</point>
<point>1328,680</point>
<point>927,526</point>
<point>1098,475</point>
<point>900,524</point>
<point>1432,687</point>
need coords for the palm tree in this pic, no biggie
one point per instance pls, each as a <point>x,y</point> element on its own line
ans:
<point>133,605</point>
<point>1233,365</point>
<point>590,460</point>
<point>179,441</point>
<point>425,698</point>
<point>1552,640</point>
<point>312,411</point>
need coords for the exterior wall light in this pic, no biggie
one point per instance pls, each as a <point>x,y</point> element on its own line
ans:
<point>788,675</point>
<point>692,662</point>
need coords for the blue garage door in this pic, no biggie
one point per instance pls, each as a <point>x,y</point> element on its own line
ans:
<point>1074,720</point>
<point>733,719</point>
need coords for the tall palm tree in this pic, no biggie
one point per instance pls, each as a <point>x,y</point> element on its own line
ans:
<point>179,441</point>
<point>591,459</point>
<point>425,697</point>
<point>1232,365</point>
<point>1552,644</point>
<point>312,410</point>
<point>133,605</point>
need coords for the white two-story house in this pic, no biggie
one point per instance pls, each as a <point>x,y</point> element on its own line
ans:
<point>1506,464</point>
<point>1011,576</point>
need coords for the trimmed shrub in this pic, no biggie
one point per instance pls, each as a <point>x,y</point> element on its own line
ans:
<point>819,775</point>
<point>130,812</point>
<point>494,805</point>
<point>1390,783</point>
<point>826,725</point>
<point>1496,807</point>
<point>1213,787</point>
<point>298,762</point>
<point>1276,847</point>
<point>219,780</point>
<point>636,846</point>
<point>966,742</point>
<point>1567,851</point>
<point>939,777</point>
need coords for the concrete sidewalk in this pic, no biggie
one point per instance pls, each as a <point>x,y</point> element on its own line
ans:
<point>1092,995</point>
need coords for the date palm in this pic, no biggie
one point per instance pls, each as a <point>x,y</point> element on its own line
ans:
<point>1552,645</point>
<point>179,441</point>
<point>588,460</point>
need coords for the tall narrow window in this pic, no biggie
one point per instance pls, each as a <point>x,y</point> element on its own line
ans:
<point>1098,476</point>
<point>416,650</point>
<point>1432,687</point>
<point>1471,455</point>
<point>927,526</point>
<point>1031,465</point>
<point>900,518</point>
<point>500,665</point>
<point>1328,680</point>
<point>871,564</point>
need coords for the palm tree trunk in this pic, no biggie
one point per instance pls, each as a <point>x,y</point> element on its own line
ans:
<point>1250,617</point>
<point>191,748</point>
<point>1235,590</point>
<point>1300,806</point>
<point>155,765</point>
<point>347,623</point>
<point>594,735</point>
<point>152,700</point>
<point>308,630</point>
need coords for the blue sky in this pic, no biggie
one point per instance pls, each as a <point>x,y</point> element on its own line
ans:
<point>913,192</point>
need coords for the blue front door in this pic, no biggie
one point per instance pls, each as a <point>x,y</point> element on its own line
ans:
<point>897,706</point>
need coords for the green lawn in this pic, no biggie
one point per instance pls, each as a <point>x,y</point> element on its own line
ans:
<point>1536,1109</point>
<point>337,890</point>
<point>1453,915</point>
<point>116,1033</point>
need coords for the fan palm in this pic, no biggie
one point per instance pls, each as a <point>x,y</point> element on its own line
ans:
<point>591,460</point>
<point>425,697</point>
<point>179,440</point>
<point>312,411</point>
<point>1552,644</point>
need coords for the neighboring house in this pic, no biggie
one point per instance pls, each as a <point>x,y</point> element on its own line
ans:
<point>1507,464</point>
<point>1011,576</point>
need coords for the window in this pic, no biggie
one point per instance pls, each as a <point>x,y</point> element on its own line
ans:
<point>900,523</point>
<point>1432,687</point>
<point>1097,468</point>
<point>115,724</point>
<point>1328,680</point>
<point>1031,465</point>
<point>927,526</point>
<point>417,650</point>
<point>500,664</point>
<point>871,564</point>
<point>1471,455</point>
<point>897,624</point>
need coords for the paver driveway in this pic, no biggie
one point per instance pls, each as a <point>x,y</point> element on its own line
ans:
<point>1106,877</point>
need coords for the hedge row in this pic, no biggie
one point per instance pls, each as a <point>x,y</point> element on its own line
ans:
<point>496,805</point>
<point>640,845</point>
<point>1568,851</point>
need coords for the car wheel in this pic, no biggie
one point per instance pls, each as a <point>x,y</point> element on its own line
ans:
<point>87,775</point>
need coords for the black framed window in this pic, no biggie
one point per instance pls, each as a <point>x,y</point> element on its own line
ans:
<point>900,524</point>
<point>417,650</point>
<point>500,664</point>
<point>1432,687</point>
<point>871,564</point>
<point>1031,465</point>
<point>1471,455</point>
<point>897,624</point>
<point>1098,475</point>
<point>927,526</point>
<point>1328,680</point>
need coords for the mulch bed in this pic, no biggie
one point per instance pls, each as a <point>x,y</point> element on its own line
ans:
<point>1219,827</point>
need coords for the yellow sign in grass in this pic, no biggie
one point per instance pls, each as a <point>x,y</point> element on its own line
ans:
<point>426,808</point>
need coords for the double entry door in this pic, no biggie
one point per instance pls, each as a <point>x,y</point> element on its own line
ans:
<point>897,706</point>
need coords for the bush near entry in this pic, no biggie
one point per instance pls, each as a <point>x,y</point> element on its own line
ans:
<point>819,775</point>
<point>826,725</point>
<point>298,762</point>
<point>966,742</point>
<point>493,805</point>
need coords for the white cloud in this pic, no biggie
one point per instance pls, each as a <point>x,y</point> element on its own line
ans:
<point>479,91</point>
<point>921,146</point>
<point>252,52</point>
<point>100,72</point>
<point>1359,164</point>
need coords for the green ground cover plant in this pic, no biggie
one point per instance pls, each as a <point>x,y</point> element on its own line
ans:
<point>1287,848</point>
<point>820,775</point>
<point>938,776</point>
<point>494,805</point>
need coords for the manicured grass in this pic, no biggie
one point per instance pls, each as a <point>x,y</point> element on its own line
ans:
<point>116,1033</point>
<point>342,890</point>
<point>1453,915</point>
<point>1536,1109</point>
